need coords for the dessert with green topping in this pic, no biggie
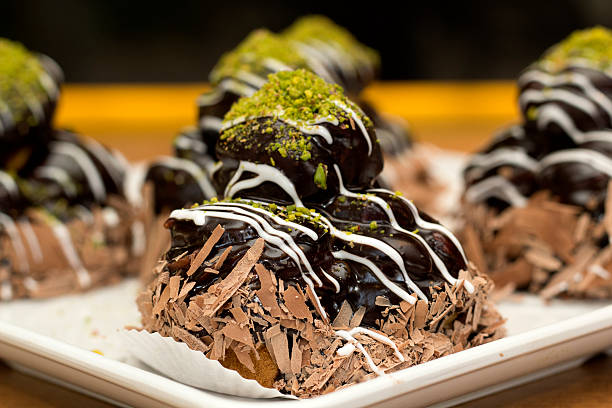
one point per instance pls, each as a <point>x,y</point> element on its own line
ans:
<point>538,180</point>
<point>320,39</point>
<point>296,129</point>
<point>29,88</point>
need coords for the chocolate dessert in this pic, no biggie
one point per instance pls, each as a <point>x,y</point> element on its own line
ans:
<point>65,222</point>
<point>29,90</point>
<point>314,279</point>
<point>537,197</point>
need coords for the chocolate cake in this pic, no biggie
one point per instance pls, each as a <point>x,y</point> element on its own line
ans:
<point>29,90</point>
<point>315,278</point>
<point>537,197</point>
<point>65,222</point>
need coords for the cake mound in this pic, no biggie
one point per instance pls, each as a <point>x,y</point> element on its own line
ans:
<point>306,275</point>
<point>537,196</point>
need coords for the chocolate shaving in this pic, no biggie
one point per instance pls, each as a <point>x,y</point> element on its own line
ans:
<point>206,248</point>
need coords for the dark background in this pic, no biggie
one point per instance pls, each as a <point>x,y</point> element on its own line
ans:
<point>165,41</point>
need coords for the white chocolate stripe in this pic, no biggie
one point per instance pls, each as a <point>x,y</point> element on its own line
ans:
<point>514,156</point>
<point>535,96</point>
<point>197,173</point>
<point>311,233</point>
<point>379,275</point>
<point>349,337</point>
<point>65,240</point>
<point>209,122</point>
<point>32,240</point>
<point>571,78</point>
<point>554,114</point>
<point>80,157</point>
<point>13,233</point>
<point>9,184</point>
<point>332,280</point>
<point>265,173</point>
<point>358,121</point>
<point>497,187</point>
<point>60,176</point>
<point>597,160</point>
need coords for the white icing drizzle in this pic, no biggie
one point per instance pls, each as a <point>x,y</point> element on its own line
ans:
<point>561,95</point>
<point>514,156</point>
<point>311,233</point>
<point>332,280</point>
<point>554,114</point>
<point>13,233</point>
<point>346,350</point>
<point>497,187</point>
<point>133,183</point>
<point>357,120</point>
<point>198,174</point>
<point>349,337</point>
<point>186,142</point>
<point>418,220</point>
<point>309,128</point>
<point>237,87</point>
<point>110,161</point>
<point>30,236</point>
<point>571,78</point>
<point>275,65</point>
<point>209,122</point>
<point>316,62</point>
<point>80,157</point>
<point>265,173</point>
<point>60,176</point>
<point>63,237</point>
<point>380,275</point>
<point>9,184</point>
<point>210,98</point>
<point>250,79</point>
<point>593,158</point>
<point>84,214</point>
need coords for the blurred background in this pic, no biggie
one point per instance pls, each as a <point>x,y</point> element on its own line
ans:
<point>162,41</point>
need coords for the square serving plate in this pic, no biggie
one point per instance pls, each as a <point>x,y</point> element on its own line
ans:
<point>54,339</point>
<point>543,339</point>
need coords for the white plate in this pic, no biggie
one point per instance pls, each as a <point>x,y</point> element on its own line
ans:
<point>55,337</point>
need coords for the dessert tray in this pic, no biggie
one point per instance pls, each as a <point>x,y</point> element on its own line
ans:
<point>77,341</point>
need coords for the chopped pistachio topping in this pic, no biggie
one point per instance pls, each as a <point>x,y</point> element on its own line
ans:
<point>20,73</point>
<point>373,226</point>
<point>254,52</point>
<point>592,45</point>
<point>320,177</point>
<point>298,97</point>
<point>321,28</point>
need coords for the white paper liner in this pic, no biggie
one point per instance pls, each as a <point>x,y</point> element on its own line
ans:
<point>177,361</point>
